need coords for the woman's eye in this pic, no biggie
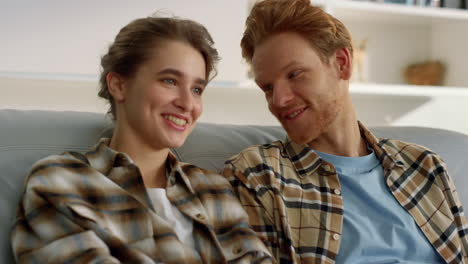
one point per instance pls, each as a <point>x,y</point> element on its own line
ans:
<point>197,91</point>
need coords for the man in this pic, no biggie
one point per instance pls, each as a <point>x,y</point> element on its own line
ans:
<point>332,192</point>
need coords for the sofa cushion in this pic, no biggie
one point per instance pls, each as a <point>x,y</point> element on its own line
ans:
<point>27,136</point>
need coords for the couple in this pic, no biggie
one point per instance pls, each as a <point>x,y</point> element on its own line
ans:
<point>330,193</point>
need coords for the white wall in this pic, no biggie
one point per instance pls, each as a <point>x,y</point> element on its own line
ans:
<point>68,37</point>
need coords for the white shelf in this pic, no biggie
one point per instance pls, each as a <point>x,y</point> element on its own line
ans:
<point>355,88</point>
<point>348,10</point>
<point>376,89</point>
<point>407,90</point>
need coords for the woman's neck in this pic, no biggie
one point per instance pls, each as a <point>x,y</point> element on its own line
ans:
<point>151,162</point>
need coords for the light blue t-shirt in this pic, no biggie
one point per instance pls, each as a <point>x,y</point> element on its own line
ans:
<point>376,228</point>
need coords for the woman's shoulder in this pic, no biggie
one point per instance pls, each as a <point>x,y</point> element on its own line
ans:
<point>58,172</point>
<point>54,163</point>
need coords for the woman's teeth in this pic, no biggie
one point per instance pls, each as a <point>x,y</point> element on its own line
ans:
<point>175,120</point>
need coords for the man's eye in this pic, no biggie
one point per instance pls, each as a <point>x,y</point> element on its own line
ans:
<point>169,81</point>
<point>267,88</point>
<point>197,91</point>
<point>294,74</point>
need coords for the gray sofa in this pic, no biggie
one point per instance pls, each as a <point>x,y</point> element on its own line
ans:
<point>26,136</point>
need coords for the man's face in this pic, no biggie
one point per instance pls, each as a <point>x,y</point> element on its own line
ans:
<point>305,94</point>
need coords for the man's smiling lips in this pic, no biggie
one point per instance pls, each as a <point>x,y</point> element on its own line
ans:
<point>294,114</point>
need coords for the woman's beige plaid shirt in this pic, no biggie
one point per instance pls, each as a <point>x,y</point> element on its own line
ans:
<point>94,208</point>
<point>294,201</point>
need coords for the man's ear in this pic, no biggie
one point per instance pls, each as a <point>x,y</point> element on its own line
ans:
<point>343,63</point>
<point>116,86</point>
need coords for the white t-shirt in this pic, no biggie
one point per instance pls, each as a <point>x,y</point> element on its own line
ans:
<point>183,226</point>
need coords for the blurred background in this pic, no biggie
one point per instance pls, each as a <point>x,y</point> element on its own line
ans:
<point>410,62</point>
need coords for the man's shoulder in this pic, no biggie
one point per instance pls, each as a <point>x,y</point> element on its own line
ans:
<point>256,154</point>
<point>254,165</point>
<point>205,177</point>
<point>407,151</point>
<point>396,145</point>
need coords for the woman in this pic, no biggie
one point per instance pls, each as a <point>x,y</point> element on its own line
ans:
<point>128,199</point>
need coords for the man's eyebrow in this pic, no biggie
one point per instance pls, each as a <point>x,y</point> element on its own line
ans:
<point>180,75</point>
<point>289,65</point>
<point>292,63</point>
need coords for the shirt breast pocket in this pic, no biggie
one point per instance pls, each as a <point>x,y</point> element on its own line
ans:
<point>126,224</point>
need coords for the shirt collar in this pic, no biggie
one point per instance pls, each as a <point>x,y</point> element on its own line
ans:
<point>104,159</point>
<point>388,157</point>
<point>306,161</point>
<point>177,172</point>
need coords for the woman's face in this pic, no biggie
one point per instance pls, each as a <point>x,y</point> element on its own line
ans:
<point>163,100</point>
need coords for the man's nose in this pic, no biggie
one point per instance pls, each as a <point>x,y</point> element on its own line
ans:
<point>282,95</point>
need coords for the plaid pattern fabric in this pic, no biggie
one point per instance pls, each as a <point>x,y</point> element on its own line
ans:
<point>294,201</point>
<point>93,208</point>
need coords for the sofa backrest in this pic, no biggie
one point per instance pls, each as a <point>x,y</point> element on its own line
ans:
<point>27,136</point>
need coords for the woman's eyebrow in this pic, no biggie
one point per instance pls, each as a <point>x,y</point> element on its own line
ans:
<point>180,75</point>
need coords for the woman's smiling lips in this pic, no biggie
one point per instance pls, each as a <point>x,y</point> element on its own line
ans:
<point>176,121</point>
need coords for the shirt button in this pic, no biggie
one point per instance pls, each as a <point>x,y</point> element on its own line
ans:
<point>336,236</point>
<point>237,249</point>
<point>327,167</point>
<point>337,192</point>
<point>200,216</point>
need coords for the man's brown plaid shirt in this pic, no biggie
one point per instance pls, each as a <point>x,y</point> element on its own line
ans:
<point>294,202</point>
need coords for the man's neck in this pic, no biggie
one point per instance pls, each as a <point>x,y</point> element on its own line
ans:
<point>342,137</point>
